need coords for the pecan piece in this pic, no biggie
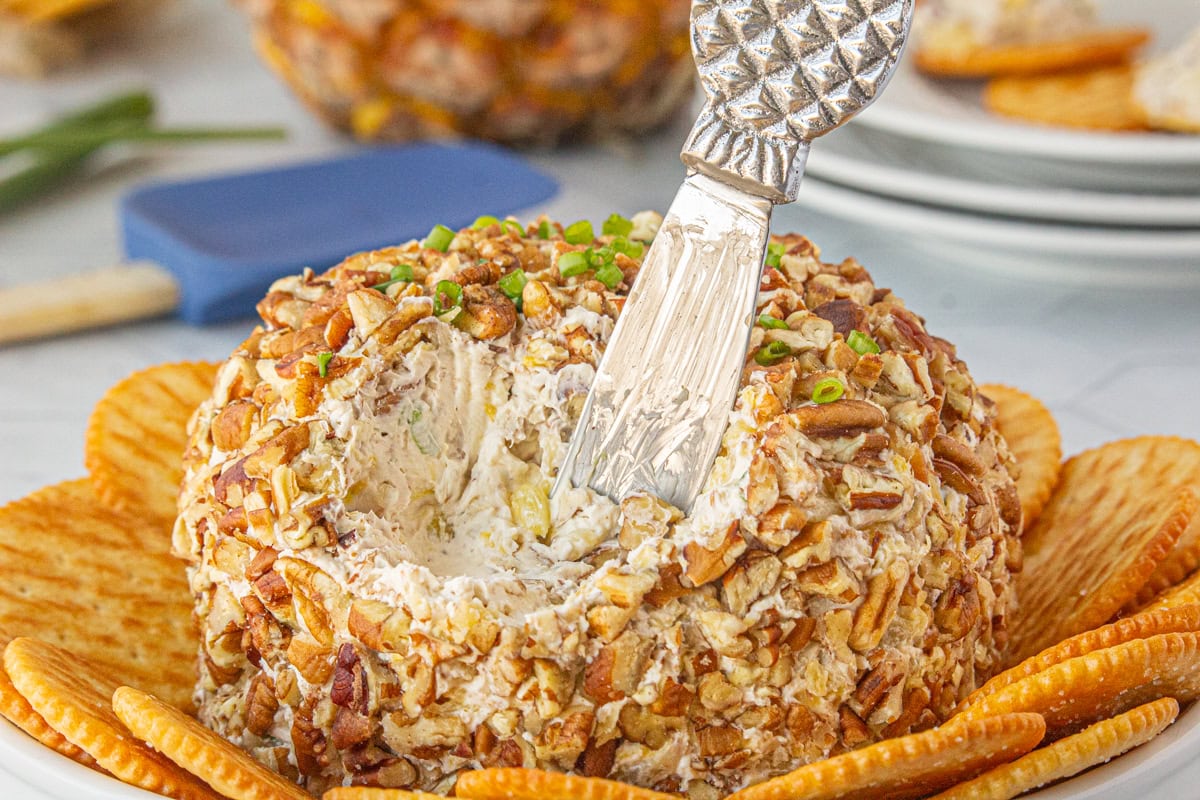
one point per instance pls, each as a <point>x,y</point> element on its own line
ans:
<point>846,315</point>
<point>838,419</point>
<point>872,618</point>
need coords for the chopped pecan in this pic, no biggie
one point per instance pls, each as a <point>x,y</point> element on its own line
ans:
<point>350,688</point>
<point>704,565</point>
<point>958,608</point>
<point>854,730</point>
<point>874,615</point>
<point>846,315</point>
<point>719,740</point>
<point>753,576</point>
<point>598,759</point>
<point>486,312</point>
<point>841,418</point>
<point>673,700</point>
<point>231,427</point>
<point>563,741</point>
<point>261,704</point>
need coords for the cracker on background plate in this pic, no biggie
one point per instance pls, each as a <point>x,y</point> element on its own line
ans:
<point>1093,99</point>
<point>1100,48</point>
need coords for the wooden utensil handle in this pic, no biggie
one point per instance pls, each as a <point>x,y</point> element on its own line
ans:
<point>89,300</point>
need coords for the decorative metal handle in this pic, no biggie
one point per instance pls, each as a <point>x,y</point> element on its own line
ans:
<point>778,74</point>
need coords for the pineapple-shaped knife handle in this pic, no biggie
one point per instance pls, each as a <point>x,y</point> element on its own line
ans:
<point>779,73</point>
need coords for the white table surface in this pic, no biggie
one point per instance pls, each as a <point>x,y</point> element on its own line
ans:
<point>1109,363</point>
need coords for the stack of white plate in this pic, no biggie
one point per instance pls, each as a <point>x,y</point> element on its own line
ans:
<point>1051,203</point>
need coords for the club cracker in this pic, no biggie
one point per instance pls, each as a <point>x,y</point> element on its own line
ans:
<point>909,766</point>
<point>100,584</point>
<point>1184,593</point>
<point>1180,466</point>
<point>1185,619</point>
<point>1115,515</point>
<point>1033,437</point>
<point>1112,46</point>
<point>1103,683</point>
<point>1094,99</point>
<point>1094,745</point>
<point>74,697</point>
<point>515,783</point>
<point>16,709</point>
<point>372,793</point>
<point>136,435</point>
<point>198,750</point>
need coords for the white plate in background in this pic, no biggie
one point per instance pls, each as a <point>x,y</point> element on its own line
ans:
<point>1058,253</point>
<point>949,112</point>
<point>869,160</point>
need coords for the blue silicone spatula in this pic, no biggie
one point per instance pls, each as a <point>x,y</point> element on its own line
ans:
<point>208,249</point>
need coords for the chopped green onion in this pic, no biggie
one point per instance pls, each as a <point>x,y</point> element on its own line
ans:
<point>772,353</point>
<point>513,227</point>
<point>827,390</point>
<point>616,225</point>
<point>610,275</point>
<point>598,258</point>
<point>861,343</point>
<point>323,360</point>
<point>628,247</point>
<point>773,323</point>
<point>579,232</point>
<point>573,263</point>
<point>401,273</point>
<point>513,284</point>
<point>544,230</point>
<point>447,295</point>
<point>486,221</point>
<point>439,238</point>
<point>775,251</point>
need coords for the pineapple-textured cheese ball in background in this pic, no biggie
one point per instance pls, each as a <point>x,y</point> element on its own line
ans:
<point>517,71</point>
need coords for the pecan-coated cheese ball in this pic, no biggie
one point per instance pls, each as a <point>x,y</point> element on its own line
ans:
<point>388,594</point>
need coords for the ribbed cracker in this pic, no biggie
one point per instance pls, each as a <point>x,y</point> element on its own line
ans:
<point>135,437</point>
<point>198,750</point>
<point>100,584</point>
<point>371,793</point>
<point>1113,46</point>
<point>1101,684</point>
<point>1184,593</point>
<point>74,697</point>
<point>1094,99</point>
<point>910,766</point>
<point>1094,745</point>
<point>1033,437</point>
<point>16,709</point>
<point>515,783</point>
<point>1181,457</point>
<point>1185,619</point>
<point>1115,515</point>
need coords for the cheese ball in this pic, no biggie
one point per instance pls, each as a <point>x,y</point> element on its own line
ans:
<point>388,594</point>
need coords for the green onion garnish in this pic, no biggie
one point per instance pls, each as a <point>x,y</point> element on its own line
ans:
<point>401,273</point>
<point>616,225</point>
<point>513,227</point>
<point>439,238</point>
<point>861,343</point>
<point>827,390</point>
<point>775,251</point>
<point>579,232</point>
<point>773,323</point>
<point>544,230</point>
<point>323,360</point>
<point>486,221</point>
<point>573,263</point>
<point>513,284</point>
<point>610,275</point>
<point>772,353</point>
<point>447,295</point>
<point>628,247</point>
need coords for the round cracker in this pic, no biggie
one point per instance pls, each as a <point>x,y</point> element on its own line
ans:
<point>516,783</point>
<point>1093,99</point>
<point>1100,684</point>
<point>74,697</point>
<point>1115,515</point>
<point>1033,437</point>
<point>99,584</point>
<point>910,766</point>
<point>372,793</point>
<point>16,709</point>
<point>1184,593</point>
<point>1140,626</point>
<point>198,750</point>
<point>1112,46</point>
<point>1094,745</point>
<point>136,435</point>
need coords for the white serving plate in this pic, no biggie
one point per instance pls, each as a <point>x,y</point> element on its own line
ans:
<point>1130,776</point>
<point>1042,251</point>
<point>861,158</point>
<point>949,114</point>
